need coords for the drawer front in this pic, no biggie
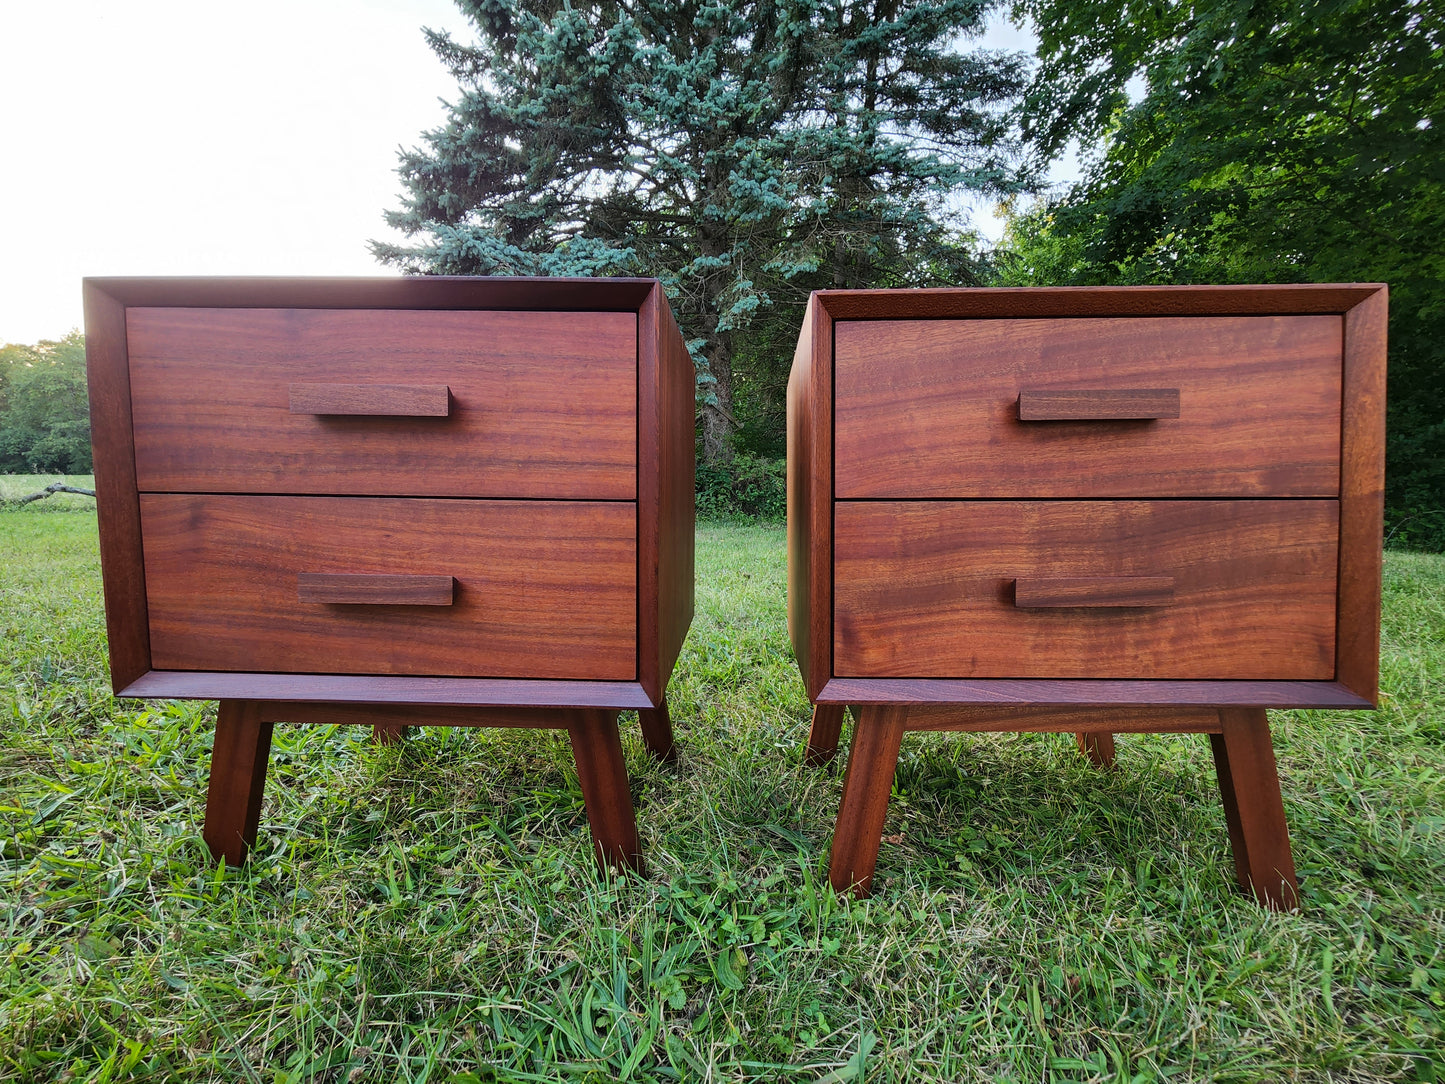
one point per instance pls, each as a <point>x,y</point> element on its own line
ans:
<point>1240,590</point>
<point>382,402</point>
<point>335,585</point>
<point>931,408</point>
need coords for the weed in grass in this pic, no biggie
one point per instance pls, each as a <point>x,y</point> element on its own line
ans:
<point>430,911</point>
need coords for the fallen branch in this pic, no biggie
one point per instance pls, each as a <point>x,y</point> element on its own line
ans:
<point>50,490</point>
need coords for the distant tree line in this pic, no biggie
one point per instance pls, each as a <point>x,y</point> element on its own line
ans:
<point>44,412</point>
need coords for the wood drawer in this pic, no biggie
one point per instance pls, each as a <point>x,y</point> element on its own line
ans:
<point>540,404</point>
<point>542,589</point>
<point>928,589</point>
<point>931,408</point>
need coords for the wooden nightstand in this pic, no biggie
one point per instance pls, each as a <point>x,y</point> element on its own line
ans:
<point>456,501</point>
<point>1086,509</point>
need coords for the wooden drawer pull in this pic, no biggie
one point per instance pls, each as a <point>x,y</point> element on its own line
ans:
<point>360,589</point>
<point>1094,591</point>
<point>1125,404</point>
<point>389,400</point>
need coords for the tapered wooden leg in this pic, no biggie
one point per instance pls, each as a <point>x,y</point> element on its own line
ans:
<point>823,739</point>
<point>603,774</point>
<point>877,736</point>
<point>388,733</point>
<point>1098,746</point>
<point>238,776</point>
<point>1253,807</point>
<point>657,732</point>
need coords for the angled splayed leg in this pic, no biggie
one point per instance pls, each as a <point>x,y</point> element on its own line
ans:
<point>877,737</point>
<point>823,738</point>
<point>603,775</point>
<point>1253,807</point>
<point>238,777</point>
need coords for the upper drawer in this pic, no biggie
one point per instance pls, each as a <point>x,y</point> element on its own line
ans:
<point>540,404</point>
<point>930,408</point>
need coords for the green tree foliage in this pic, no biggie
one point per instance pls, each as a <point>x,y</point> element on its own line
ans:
<point>44,411</point>
<point>1275,141</point>
<point>743,151</point>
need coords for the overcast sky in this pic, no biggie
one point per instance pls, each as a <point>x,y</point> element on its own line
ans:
<point>176,137</point>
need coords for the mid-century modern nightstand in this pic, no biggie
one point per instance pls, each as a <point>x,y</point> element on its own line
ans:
<point>458,501</point>
<point>1095,510</point>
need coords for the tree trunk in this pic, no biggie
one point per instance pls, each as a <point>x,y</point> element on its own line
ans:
<point>717,418</point>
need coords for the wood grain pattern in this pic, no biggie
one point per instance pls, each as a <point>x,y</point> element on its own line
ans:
<point>1362,495</point>
<point>238,779</point>
<point>930,408</point>
<point>923,589</point>
<point>823,737</point>
<point>399,716</point>
<point>603,775</point>
<point>400,292</point>
<point>1072,692</point>
<point>117,503</point>
<point>877,736</point>
<point>1041,719</point>
<point>810,499</point>
<point>1254,808</point>
<point>392,400</point>
<point>1072,592</point>
<point>1098,746</point>
<point>543,406</point>
<point>348,589</point>
<point>1099,404</point>
<point>1061,302</point>
<point>656,725</point>
<point>386,689</point>
<point>667,395</point>
<point>544,589</point>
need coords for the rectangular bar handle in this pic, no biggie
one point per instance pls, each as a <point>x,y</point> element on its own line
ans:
<point>1040,593</point>
<point>378,400</point>
<point>365,589</point>
<point>1098,405</point>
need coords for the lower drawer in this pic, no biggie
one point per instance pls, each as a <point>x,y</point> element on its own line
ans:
<point>540,589</point>
<point>1241,590</point>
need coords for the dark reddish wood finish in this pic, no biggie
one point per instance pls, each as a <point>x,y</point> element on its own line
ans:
<point>603,775</point>
<point>1077,692</point>
<point>1052,720</point>
<point>665,494</point>
<point>1098,746</point>
<point>1093,592</point>
<point>810,498</point>
<point>931,408</point>
<point>238,777</point>
<point>386,689</point>
<point>823,738</point>
<point>656,726</point>
<point>407,388</point>
<point>393,400</point>
<point>542,406</point>
<point>1362,496</point>
<point>545,589</point>
<point>117,497</point>
<point>877,736</point>
<point>1288,403</point>
<point>923,589</point>
<point>370,589</point>
<point>1254,807</point>
<point>1099,405</point>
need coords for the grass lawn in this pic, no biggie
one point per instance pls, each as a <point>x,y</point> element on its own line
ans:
<point>431,911</point>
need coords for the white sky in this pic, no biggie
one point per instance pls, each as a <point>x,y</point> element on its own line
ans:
<point>177,137</point>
